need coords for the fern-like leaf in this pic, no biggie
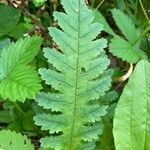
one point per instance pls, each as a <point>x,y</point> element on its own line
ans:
<point>79,77</point>
<point>18,80</point>
<point>10,140</point>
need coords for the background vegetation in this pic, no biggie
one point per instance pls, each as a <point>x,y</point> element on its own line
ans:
<point>126,22</point>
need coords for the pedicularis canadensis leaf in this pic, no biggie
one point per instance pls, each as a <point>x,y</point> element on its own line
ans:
<point>10,140</point>
<point>132,116</point>
<point>79,80</point>
<point>18,80</point>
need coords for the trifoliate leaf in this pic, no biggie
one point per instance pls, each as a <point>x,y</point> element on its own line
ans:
<point>127,48</point>
<point>124,50</point>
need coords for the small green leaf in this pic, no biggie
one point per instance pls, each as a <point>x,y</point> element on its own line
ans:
<point>38,3</point>
<point>9,17</point>
<point>121,4</point>
<point>132,116</point>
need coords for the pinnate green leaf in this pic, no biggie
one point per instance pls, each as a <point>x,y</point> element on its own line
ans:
<point>78,77</point>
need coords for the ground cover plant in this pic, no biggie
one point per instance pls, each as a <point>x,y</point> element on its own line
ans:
<point>74,75</point>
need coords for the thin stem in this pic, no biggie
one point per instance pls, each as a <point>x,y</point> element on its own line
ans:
<point>136,6</point>
<point>93,2</point>
<point>100,4</point>
<point>144,11</point>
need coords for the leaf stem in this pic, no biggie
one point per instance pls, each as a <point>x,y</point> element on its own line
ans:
<point>100,4</point>
<point>144,11</point>
<point>136,6</point>
<point>93,2</point>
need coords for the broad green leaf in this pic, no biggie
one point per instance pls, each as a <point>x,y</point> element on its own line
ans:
<point>9,17</point>
<point>132,116</point>
<point>78,77</point>
<point>18,80</point>
<point>100,18</point>
<point>10,140</point>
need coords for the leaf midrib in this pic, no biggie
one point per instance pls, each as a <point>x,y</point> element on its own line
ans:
<point>76,84</point>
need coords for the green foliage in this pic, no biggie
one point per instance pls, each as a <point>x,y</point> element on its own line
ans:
<point>100,18</point>
<point>106,140</point>
<point>18,117</point>
<point>5,117</point>
<point>18,80</point>
<point>79,79</point>
<point>121,4</point>
<point>38,3</point>
<point>131,122</point>
<point>4,44</point>
<point>9,17</point>
<point>76,106</point>
<point>127,49</point>
<point>20,29</point>
<point>10,140</point>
